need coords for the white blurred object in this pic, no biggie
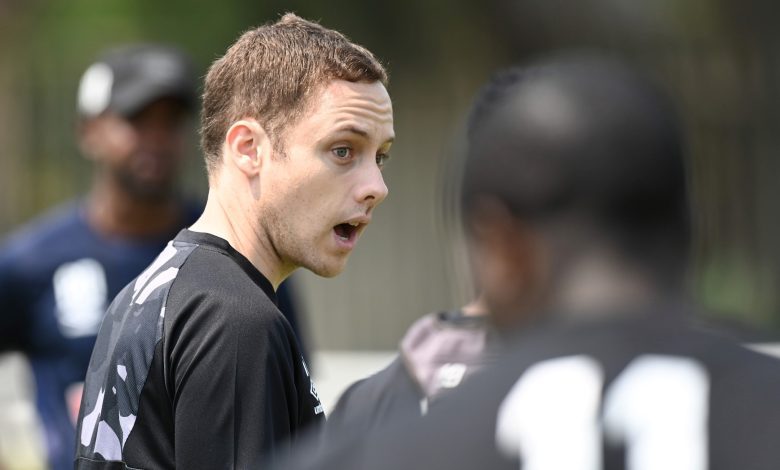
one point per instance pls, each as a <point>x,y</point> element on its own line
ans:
<point>21,435</point>
<point>772,349</point>
<point>334,371</point>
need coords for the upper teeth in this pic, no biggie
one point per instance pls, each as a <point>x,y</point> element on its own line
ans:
<point>354,224</point>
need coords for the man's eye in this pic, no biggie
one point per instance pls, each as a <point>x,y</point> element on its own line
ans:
<point>342,152</point>
<point>381,159</point>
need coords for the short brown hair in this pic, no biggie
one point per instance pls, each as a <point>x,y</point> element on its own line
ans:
<point>270,73</point>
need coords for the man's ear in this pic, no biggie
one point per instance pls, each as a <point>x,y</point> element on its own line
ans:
<point>247,145</point>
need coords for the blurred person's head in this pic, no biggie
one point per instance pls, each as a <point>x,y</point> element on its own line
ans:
<point>134,104</point>
<point>295,128</point>
<point>574,191</point>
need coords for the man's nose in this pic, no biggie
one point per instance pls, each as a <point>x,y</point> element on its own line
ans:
<point>372,189</point>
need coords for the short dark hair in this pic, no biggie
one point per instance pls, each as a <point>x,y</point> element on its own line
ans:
<point>586,138</point>
<point>271,71</point>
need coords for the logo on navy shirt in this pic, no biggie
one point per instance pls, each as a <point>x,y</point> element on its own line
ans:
<point>80,294</point>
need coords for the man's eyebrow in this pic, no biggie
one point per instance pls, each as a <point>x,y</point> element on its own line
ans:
<point>353,130</point>
<point>361,132</point>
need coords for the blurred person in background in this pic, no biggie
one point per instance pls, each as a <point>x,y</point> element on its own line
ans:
<point>194,365</point>
<point>58,272</point>
<point>575,202</point>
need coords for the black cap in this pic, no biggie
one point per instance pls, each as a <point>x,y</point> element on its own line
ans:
<point>129,78</point>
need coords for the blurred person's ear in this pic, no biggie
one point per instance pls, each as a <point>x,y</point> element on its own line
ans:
<point>246,146</point>
<point>106,137</point>
<point>508,262</point>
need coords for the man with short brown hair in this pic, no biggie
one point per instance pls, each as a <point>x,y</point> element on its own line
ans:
<point>194,366</point>
<point>291,76</point>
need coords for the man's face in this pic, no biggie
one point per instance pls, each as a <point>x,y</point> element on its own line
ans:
<point>142,153</point>
<point>317,198</point>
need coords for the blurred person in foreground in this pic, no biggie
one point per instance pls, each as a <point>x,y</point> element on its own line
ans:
<point>58,272</point>
<point>438,353</point>
<point>574,200</point>
<point>194,365</point>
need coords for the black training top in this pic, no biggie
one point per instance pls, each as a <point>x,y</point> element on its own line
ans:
<point>614,394</point>
<point>438,352</point>
<point>194,367</point>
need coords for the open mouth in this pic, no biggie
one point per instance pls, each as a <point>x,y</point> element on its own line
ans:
<point>346,232</point>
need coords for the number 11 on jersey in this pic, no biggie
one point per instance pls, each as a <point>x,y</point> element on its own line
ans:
<point>554,418</point>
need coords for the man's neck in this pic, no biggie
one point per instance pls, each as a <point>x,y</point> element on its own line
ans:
<point>113,212</point>
<point>243,237</point>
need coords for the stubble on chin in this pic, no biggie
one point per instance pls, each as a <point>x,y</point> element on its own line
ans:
<point>294,251</point>
<point>328,270</point>
<point>309,256</point>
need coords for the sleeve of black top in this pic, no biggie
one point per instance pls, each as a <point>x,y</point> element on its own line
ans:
<point>350,408</point>
<point>367,403</point>
<point>235,396</point>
